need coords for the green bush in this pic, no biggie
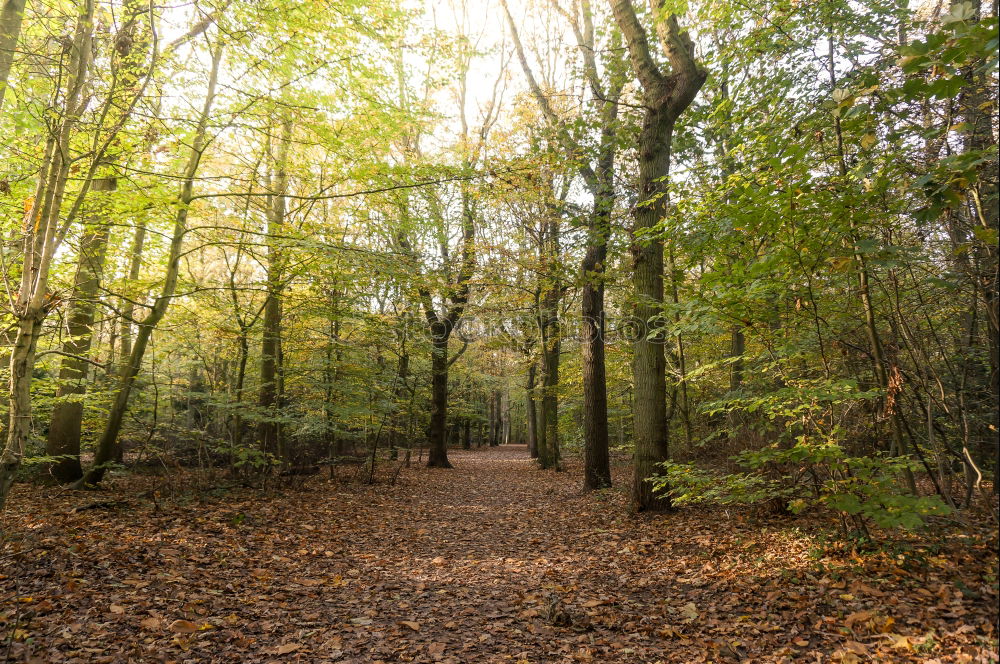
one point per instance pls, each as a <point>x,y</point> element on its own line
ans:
<point>861,490</point>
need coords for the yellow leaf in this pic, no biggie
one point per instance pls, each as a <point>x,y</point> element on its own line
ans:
<point>868,140</point>
<point>183,627</point>
<point>900,642</point>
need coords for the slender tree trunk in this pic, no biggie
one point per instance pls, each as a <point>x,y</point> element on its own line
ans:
<point>529,409</point>
<point>685,404</point>
<point>864,290</point>
<point>128,306</point>
<point>108,443</point>
<point>550,394</point>
<point>41,239</point>
<point>399,418</point>
<point>241,376</point>
<point>270,397</point>
<point>549,332</point>
<point>268,430</point>
<point>67,416</point>
<point>596,462</point>
<point>22,359</point>
<point>737,348</point>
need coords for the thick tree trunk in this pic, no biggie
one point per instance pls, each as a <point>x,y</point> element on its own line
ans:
<point>67,416</point>
<point>437,431</point>
<point>665,97</point>
<point>649,362</point>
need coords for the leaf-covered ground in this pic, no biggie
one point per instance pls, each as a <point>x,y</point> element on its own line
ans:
<point>491,562</point>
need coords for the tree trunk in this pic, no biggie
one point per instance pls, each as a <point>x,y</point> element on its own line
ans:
<point>548,312</point>
<point>268,429</point>
<point>596,462</point>
<point>549,456</point>
<point>437,431</point>
<point>270,397</point>
<point>649,362</point>
<point>530,412</point>
<point>67,416</point>
<point>978,108</point>
<point>128,306</point>
<point>497,419</point>
<point>665,97</point>
<point>108,443</point>
<point>22,359</point>
<point>40,242</point>
<point>241,375</point>
<point>11,18</point>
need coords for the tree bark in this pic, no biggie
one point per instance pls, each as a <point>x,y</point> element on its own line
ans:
<point>596,461</point>
<point>67,416</point>
<point>11,17</point>
<point>665,97</point>
<point>44,229</point>
<point>548,454</point>
<point>437,431</point>
<point>530,412</point>
<point>269,429</point>
<point>128,306</point>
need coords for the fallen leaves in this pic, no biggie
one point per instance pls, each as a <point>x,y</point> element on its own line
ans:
<point>492,562</point>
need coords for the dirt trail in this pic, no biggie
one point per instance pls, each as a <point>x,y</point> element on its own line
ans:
<point>493,561</point>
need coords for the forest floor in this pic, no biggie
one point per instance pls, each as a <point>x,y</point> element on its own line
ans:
<point>493,561</point>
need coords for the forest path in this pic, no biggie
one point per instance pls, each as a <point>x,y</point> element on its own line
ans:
<point>458,566</point>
